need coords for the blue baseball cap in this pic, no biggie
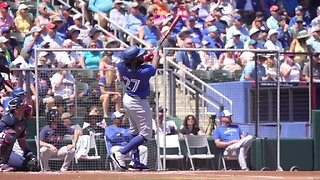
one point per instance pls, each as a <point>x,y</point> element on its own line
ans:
<point>225,113</point>
<point>212,29</point>
<point>237,18</point>
<point>5,29</point>
<point>192,18</point>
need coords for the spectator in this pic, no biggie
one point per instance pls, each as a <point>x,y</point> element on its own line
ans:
<point>196,32</point>
<point>272,21</point>
<point>238,44</point>
<point>2,112</point>
<point>22,21</point>
<point>109,88</point>
<point>106,64</point>
<point>213,39</point>
<point>56,20</point>
<point>117,15</point>
<point>248,56</point>
<point>73,35</point>
<point>254,34</point>
<point>297,27</point>
<point>94,35</point>
<point>316,20</point>
<point>94,123</point>
<point>290,70</point>
<point>90,59</point>
<point>299,45</point>
<point>182,10</point>
<point>299,12</point>
<point>284,35</point>
<point>42,19</point>
<point>182,35</point>
<point>83,5</point>
<point>149,32</point>
<point>170,125</point>
<point>51,142</point>
<point>238,25</point>
<point>232,140</point>
<point>314,40</point>
<point>101,8</point>
<point>67,58</point>
<point>315,68</point>
<point>4,43</point>
<point>12,44</point>
<point>227,60</point>
<point>248,73</point>
<point>118,135</point>
<point>273,43</point>
<point>271,69</point>
<point>134,20</point>
<point>32,42</point>
<point>112,43</point>
<point>67,20</point>
<point>190,126</point>
<point>209,60</point>
<point>49,8</point>
<point>52,37</point>
<point>63,84</point>
<point>66,120</point>
<point>5,19</point>
<point>141,7</point>
<point>207,23</point>
<point>84,30</point>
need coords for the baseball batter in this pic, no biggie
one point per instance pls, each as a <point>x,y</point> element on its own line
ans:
<point>136,75</point>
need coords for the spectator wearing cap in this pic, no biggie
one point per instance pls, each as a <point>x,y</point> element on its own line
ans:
<point>84,30</point>
<point>42,19</point>
<point>314,40</point>
<point>248,56</point>
<point>59,24</point>
<point>67,121</point>
<point>259,21</point>
<point>227,60</point>
<point>272,21</point>
<point>238,44</point>
<point>73,35</point>
<point>101,8</point>
<point>209,61</point>
<point>158,124</point>
<point>232,139</point>
<point>4,46</point>
<point>238,25</point>
<point>220,24</point>
<point>133,21</point>
<point>299,45</point>
<point>12,42</point>
<point>316,20</point>
<point>149,32</point>
<point>298,26</point>
<point>284,34</point>
<point>117,14</point>
<point>289,69</point>
<point>273,43</point>
<point>118,135</point>
<point>65,16</point>
<point>196,32</point>
<point>214,39</point>
<point>5,19</point>
<point>52,36</point>
<point>182,35</point>
<point>315,60</point>
<point>249,74</point>
<point>32,42</point>
<point>177,29</point>
<point>207,23</point>
<point>299,11</point>
<point>94,35</point>
<point>23,21</point>
<point>113,43</point>
<point>63,85</point>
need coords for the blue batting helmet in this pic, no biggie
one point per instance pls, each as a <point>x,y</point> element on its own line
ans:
<point>132,52</point>
<point>15,103</point>
<point>18,92</point>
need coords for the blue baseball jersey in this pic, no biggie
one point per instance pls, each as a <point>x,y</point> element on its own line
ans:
<point>137,82</point>
<point>227,133</point>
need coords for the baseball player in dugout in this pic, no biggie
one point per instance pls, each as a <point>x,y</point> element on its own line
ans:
<point>135,74</point>
<point>12,129</point>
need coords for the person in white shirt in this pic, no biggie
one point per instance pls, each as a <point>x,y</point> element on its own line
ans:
<point>273,43</point>
<point>67,58</point>
<point>290,70</point>
<point>63,84</point>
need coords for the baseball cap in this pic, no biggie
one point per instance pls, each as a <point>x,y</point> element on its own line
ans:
<point>3,39</point>
<point>225,113</point>
<point>66,115</point>
<point>272,32</point>
<point>185,30</point>
<point>50,26</point>
<point>274,8</point>
<point>116,115</point>
<point>252,42</point>
<point>117,2</point>
<point>315,29</point>
<point>165,29</point>
<point>229,45</point>
<point>192,18</point>
<point>195,8</point>
<point>45,42</point>
<point>22,6</point>
<point>134,5</point>
<point>66,8</point>
<point>298,8</point>
<point>4,5</point>
<point>212,29</point>
<point>205,43</point>
<point>236,33</point>
<point>253,31</point>
<point>5,29</point>
<point>299,19</point>
<point>93,31</point>
<point>43,54</point>
<point>77,16</point>
<point>237,18</point>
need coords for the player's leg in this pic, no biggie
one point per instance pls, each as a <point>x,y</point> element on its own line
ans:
<point>67,156</point>
<point>7,139</point>
<point>143,154</point>
<point>104,98</point>
<point>45,154</point>
<point>113,150</point>
<point>16,161</point>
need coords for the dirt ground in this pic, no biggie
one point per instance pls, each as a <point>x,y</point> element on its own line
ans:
<point>215,175</point>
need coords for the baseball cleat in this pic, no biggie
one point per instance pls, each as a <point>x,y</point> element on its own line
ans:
<point>118,158</point>
<point>137,166</point>
<point>5,168</point>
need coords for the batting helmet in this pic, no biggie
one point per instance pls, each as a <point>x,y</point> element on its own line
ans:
<point>132,52</point>
<point>18,92</point>
<point>52,114</point>
<point>15,103</point>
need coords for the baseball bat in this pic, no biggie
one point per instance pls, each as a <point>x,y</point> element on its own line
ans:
<point>174,23</point>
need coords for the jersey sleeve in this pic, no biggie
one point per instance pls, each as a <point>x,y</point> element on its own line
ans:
<point>216,134</point>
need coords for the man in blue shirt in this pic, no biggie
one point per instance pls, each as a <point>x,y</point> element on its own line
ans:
<point>118,135</point>
<point>248,73</point>
<point>230,137</point>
